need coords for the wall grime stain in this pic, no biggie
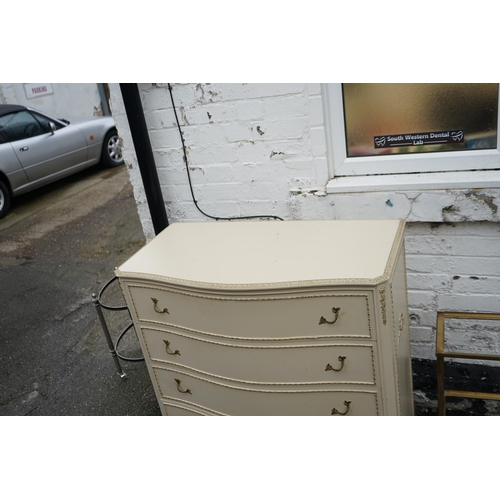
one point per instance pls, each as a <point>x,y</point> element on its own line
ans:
<point>437,225</point>
<point>183,114</point>
<point>414,319</point>
<point>487,200</point>
<point>203,98</point>
<point>273,153</point>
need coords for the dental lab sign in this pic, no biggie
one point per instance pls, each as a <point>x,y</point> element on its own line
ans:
<point>420,139</point>
<point>37,89</point>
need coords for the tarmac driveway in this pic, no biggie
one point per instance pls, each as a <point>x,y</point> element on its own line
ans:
<point>58,245</point>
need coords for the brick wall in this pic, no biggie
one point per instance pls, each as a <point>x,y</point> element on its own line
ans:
<point>247,146</point>
<point>261,149</point>
<point>453,267</point>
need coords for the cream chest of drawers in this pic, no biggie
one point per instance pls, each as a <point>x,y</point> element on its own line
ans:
<point>274,318</point>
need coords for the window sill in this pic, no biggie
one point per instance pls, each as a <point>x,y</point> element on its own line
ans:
<point>479,179</point>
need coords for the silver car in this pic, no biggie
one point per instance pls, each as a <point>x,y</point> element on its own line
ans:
<point>36,149</point>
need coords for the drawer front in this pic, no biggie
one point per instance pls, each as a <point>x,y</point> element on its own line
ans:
<point>174,409</point>
<point>253,401</point>
<point>312,316</point>
<point>263,363</point>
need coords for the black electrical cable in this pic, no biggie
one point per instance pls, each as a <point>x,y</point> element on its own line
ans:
<point>191,185</point>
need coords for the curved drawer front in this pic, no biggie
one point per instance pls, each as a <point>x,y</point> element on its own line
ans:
<point>175,409</point>
<point>313,316</point>
<point>264,363</point>
<point>253,401</point>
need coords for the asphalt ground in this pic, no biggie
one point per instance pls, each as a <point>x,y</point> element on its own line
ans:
<point>58,246</point>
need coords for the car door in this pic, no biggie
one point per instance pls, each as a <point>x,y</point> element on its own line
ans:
<point>41,152</point>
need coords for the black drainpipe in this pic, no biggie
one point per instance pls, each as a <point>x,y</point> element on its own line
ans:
<point>142,145</point>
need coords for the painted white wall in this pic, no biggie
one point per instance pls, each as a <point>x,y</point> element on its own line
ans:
<point>247,146</point>
<point>67,100</point>
<point>261,149</point>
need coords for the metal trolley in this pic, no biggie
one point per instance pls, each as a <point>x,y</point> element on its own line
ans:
<point>113,346</point>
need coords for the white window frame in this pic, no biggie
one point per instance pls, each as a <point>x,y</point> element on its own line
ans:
<point>428,170</point>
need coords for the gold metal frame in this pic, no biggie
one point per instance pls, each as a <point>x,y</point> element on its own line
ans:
<point>441,354</point>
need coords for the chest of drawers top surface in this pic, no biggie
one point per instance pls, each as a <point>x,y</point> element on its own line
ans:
<point>272,253</point>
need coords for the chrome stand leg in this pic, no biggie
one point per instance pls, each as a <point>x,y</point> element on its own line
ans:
<point>112,350</point>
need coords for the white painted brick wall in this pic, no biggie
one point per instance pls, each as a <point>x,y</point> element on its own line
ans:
<point>261,149</point>
<point>247,146</point>
<point>452,267</point>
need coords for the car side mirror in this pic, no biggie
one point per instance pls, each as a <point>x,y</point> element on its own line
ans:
<point>52,127</point>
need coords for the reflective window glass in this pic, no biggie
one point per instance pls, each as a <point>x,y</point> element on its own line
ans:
<point>387,119</point>
<point>18,126</point>
<point>45,121</point>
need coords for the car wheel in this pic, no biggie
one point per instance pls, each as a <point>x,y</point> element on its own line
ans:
<point>4,199</point>
<point>111,150</point>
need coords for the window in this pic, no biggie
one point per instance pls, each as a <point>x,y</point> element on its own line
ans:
<point>45,121</point>
<point>18,126</point>
<point>395,129</point>
<point>394,118</point>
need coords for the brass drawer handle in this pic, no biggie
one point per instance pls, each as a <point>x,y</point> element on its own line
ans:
<point>335,310</point>
<point>330,367</point>
<point>180,389</point>
<point>167,343</point>
<point>155,302</point>
<point>347,404</point>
